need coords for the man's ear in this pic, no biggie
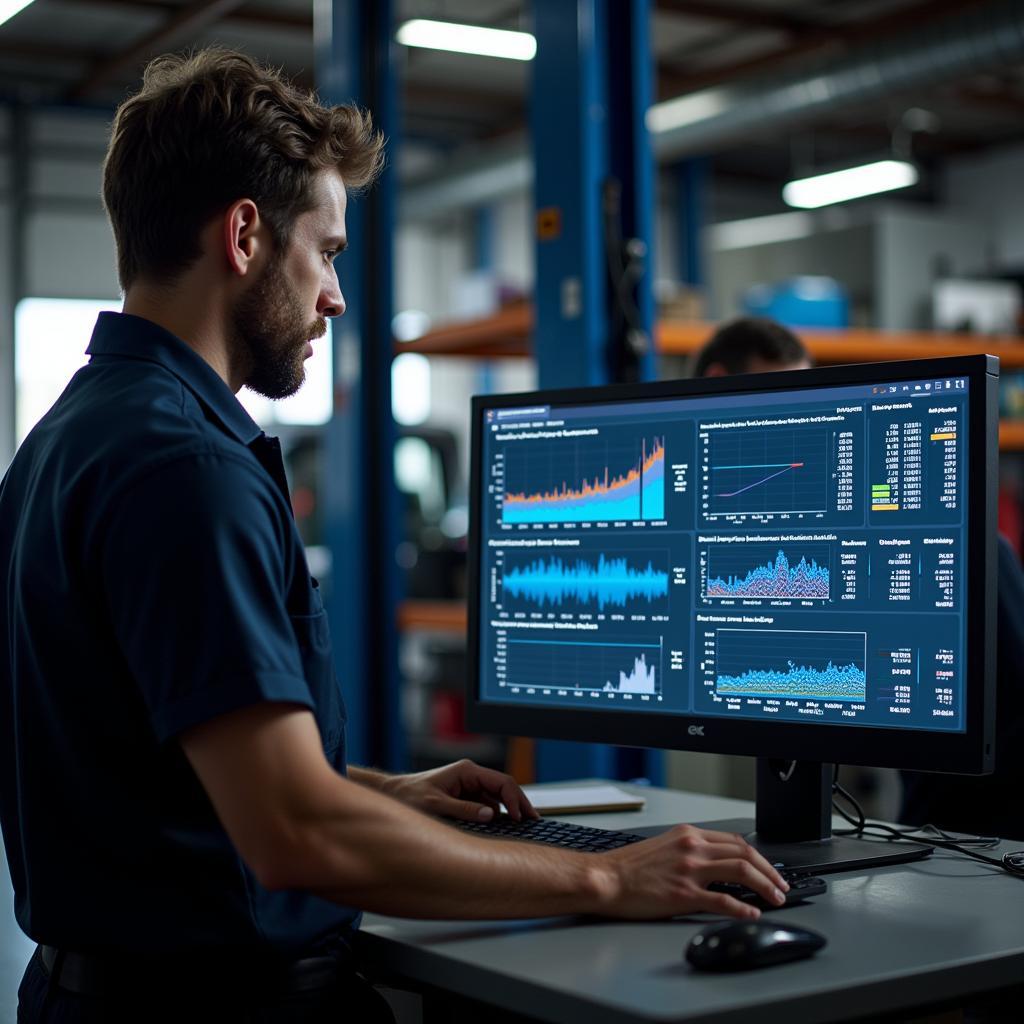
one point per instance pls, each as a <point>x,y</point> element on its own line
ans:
<point>244,236</point>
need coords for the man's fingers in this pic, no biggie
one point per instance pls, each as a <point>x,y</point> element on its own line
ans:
<point>465,810</point>
<point>515,800</point>
<point>722,903</point>
<point>488,780</point>
<point>761,864</point>
<point>731,844</point>
<point>742,872</point>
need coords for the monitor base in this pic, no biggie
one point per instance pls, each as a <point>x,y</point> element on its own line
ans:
<point>819,856</point>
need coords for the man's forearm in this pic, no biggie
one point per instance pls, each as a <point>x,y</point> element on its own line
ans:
<point>370,851</point>
<point>298,824</point>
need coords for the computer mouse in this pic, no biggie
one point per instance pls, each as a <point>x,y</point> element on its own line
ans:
<point>742,945</point>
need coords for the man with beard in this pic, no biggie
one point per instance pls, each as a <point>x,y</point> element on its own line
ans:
<point>185,838</point>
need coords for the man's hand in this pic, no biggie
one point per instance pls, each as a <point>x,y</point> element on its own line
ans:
<point>463,790</point>
<point>667,875</point>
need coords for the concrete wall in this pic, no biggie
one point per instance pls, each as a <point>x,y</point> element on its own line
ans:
<point>912,248</point>
<point>987,187</point>
<point>68,249</point>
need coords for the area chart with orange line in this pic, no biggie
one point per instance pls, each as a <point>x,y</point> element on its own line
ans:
<point>626,482</point>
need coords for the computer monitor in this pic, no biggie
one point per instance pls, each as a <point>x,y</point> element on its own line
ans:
<point>796,566</point>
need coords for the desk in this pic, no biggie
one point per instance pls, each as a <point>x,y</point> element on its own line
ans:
<point>941,929</point>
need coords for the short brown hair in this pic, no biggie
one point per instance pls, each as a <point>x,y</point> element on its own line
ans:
<point>210,128</point>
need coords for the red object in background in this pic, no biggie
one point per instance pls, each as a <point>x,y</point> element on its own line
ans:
<point>447,715</point>
<point>1011,517</point>
<point>303,502</point>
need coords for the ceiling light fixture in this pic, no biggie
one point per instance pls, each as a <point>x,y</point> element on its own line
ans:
<point>9,8</point>
<point>485,42</point>
<point>852,183</point>
<point>683,111</point>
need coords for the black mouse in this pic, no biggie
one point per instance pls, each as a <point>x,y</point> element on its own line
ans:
<point>741,945</point>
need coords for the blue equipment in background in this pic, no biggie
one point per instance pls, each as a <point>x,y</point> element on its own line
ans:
<point>800,302</point>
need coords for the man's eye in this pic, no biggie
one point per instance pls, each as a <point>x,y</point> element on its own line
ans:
<point>330,254</point>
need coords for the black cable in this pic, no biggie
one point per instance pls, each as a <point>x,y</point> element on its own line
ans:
<point>625,264</point>
<point>1012,862</point>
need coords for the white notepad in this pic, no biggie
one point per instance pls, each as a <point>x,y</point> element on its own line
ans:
<point>582,799</point>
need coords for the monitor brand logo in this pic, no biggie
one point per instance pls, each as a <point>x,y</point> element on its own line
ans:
<point>696,730</point>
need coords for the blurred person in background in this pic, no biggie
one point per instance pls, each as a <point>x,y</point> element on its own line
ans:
<point>750,344</point>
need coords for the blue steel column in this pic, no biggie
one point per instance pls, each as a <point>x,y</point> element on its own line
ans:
<point>354,64</point>
<point>691,184</point>
<point>568,121</point>
<point>630,67</point>
<point>590,92</point>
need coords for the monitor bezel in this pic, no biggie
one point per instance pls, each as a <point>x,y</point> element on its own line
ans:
<point>968,752</point>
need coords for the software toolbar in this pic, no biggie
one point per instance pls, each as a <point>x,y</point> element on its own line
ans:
<point>793,555</point>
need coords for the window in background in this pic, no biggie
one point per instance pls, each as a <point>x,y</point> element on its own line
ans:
<point>50,339</point>
<point>51,336</point>
<point>410,388</point>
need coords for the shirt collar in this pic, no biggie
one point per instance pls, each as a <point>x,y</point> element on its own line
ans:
<point>133,337</point>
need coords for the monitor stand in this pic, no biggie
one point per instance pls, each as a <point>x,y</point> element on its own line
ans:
<point>793,827</point>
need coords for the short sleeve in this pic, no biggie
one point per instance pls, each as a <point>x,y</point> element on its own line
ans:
<point>193,563</point>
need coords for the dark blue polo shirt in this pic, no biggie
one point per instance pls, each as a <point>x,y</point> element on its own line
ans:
<point>152,578</point>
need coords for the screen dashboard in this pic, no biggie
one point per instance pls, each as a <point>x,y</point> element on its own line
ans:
<point>795,555</point>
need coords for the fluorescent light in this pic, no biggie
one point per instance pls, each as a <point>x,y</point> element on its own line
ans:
<point>686,110</point>
<point>485,42</point>
<point>777,227</point>
<point>9,8</point>
<point>852,183</point>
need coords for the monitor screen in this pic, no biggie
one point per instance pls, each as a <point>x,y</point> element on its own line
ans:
<point>792,565</point>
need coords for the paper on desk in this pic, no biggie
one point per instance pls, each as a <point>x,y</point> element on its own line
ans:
<point>581,799</point>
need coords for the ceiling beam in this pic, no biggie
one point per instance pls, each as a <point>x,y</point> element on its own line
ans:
<point>295,20</point>
<point>671,84</point>
<point>737,14</point>
<point>999,96</point>
<point>36,51</point>
<point>189,20</point>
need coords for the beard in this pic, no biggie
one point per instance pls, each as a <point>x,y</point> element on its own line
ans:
<point>268,334</point>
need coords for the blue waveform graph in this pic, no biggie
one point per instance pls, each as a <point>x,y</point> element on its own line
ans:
<point>795,664</point>
<point>637,578</point>
<point>774,574</point>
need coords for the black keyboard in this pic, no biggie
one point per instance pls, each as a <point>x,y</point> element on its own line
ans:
<point>553,832</point>
<point>587,839</point>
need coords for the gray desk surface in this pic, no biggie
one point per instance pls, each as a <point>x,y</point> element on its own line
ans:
<point>904,936</point>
